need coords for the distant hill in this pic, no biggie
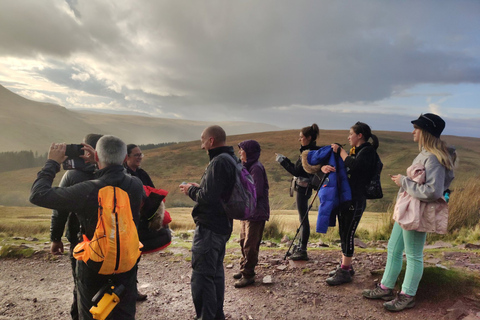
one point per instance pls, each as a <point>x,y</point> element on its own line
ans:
<point>170,165</point>
<point>30,125</point>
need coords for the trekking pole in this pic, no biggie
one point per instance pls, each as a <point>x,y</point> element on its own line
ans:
<point>306,215</point>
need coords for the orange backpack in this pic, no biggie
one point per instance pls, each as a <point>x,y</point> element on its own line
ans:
<point>115,247</point>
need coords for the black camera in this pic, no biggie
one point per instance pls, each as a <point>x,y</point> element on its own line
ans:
<point>73,152</point>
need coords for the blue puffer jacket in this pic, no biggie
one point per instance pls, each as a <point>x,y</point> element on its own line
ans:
<point>335,190</point>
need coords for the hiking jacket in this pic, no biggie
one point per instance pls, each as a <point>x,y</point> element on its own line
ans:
<point>296,169</point>
<point>434,210</point>
<point>82,198</point>
<point>58,221</point>
<point>257,171</point>
<point>360,169</point>
<point>335,190</point>
<point>216,184</point>
<point>141,174</point>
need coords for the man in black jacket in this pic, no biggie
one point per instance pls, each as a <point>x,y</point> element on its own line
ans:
<point>82,198</point>
<point>213,227</point>
<point>59,220</point>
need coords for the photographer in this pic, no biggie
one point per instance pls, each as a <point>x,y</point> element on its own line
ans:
<point>69,219</point>
<point>308,137</point>
<point>82,198</point>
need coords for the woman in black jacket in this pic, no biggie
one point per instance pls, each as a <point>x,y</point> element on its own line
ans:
<point>308,137</point>
<point>360,163</point>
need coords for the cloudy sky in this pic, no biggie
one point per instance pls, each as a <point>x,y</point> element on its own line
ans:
<point>287,63</point>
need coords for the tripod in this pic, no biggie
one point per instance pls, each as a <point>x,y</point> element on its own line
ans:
<point>305,216</point>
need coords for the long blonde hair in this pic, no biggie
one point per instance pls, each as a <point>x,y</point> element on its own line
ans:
<point>437,147</point>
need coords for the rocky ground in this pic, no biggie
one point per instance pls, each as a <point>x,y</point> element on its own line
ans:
<point>40,287</point>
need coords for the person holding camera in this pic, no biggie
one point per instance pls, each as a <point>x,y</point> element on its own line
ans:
<point>308,137</point>
<point>82,198</point>
<point>69,219</point>
<point>360,165</point>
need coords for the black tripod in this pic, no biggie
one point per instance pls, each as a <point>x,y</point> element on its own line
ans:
<point>305,215</point>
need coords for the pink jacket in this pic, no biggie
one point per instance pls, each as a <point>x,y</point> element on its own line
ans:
<point>414,214</point>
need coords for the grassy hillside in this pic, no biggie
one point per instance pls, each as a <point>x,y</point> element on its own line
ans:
<point>170,165</point>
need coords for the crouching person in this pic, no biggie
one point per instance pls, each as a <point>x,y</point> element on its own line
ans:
<point>83,199</point>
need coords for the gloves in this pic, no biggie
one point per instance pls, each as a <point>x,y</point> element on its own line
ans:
<point>279,157</point>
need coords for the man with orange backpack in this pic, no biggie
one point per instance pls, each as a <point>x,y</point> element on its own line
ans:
<point>111,194</point>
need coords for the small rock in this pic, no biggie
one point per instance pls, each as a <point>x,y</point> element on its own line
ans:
<point>285,239</point>
<point>282,267</point>
<point>317,302</point>
<point>472,246</point>
<point>229,266</point>
<point>359,243</point>
<point>267,280</point>
<point>433,261</point>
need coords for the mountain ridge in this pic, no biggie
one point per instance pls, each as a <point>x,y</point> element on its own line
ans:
<point>31,125</point>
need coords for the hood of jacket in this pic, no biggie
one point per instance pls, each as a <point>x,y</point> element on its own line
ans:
<point>252,150</point>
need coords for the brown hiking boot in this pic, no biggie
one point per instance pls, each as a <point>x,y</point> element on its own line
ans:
<point>244,282</point>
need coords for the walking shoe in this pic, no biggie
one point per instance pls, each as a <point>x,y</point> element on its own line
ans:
<point>244,282</point>
<point>401,302</point>
<point>341,276</point>
<point>237,275</point>
<point>141,296</point>
<point>379,293</point>
<point>332,273</point>
<point>299,255</point>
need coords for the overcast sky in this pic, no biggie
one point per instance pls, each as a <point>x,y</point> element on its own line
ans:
<point>287,63</point>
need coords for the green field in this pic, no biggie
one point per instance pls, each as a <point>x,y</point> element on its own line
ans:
<point>35,221</point>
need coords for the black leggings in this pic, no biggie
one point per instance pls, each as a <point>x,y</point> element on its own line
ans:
<point>348,220</point>
<point>303,194</point>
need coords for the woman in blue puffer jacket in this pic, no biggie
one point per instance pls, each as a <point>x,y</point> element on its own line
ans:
<point>252,230</point>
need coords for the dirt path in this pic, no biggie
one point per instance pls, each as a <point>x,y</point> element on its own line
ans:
<point>40,288</point>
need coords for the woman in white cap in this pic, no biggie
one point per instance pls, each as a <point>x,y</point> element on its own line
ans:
<point>438,163</point>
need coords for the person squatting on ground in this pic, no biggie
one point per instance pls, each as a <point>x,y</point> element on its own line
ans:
<point>59,220</point>
<point>132,164</point>
<point>252,230</point>
<point>360,164</point>
<point>438,164</point>
<point>307,138</point>
<point>213,227</point>
<point>82,198</point>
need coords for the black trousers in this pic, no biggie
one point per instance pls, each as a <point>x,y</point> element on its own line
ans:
<point>348,220</point>
<point>89,282</point>
<point>208,275</point>
<point>303,195</point>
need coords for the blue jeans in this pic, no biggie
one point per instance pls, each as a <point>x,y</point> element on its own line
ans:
<point>208,276</point>
<point>412,242</point>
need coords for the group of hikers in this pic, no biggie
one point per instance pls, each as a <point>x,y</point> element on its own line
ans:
<point>80,203</point>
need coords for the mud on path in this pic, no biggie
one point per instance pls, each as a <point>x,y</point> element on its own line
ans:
<point>41,288</point>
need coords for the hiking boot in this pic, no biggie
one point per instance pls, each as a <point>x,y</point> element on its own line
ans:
<point>141,296</point>
<point>237,275</point>
<point>379,293</point>
<point>341,276</point>
<point>332,273</point>
<point>299,255</point>
<point>401,302</point>
<point>244,282</point>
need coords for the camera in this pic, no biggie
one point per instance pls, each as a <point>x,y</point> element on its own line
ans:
<point>73,152</point>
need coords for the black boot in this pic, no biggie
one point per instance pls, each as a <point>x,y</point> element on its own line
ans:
<point>341,276</point>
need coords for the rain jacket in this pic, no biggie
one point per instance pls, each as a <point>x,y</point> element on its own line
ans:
<point>257,171</point>
<point>335,191</point>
